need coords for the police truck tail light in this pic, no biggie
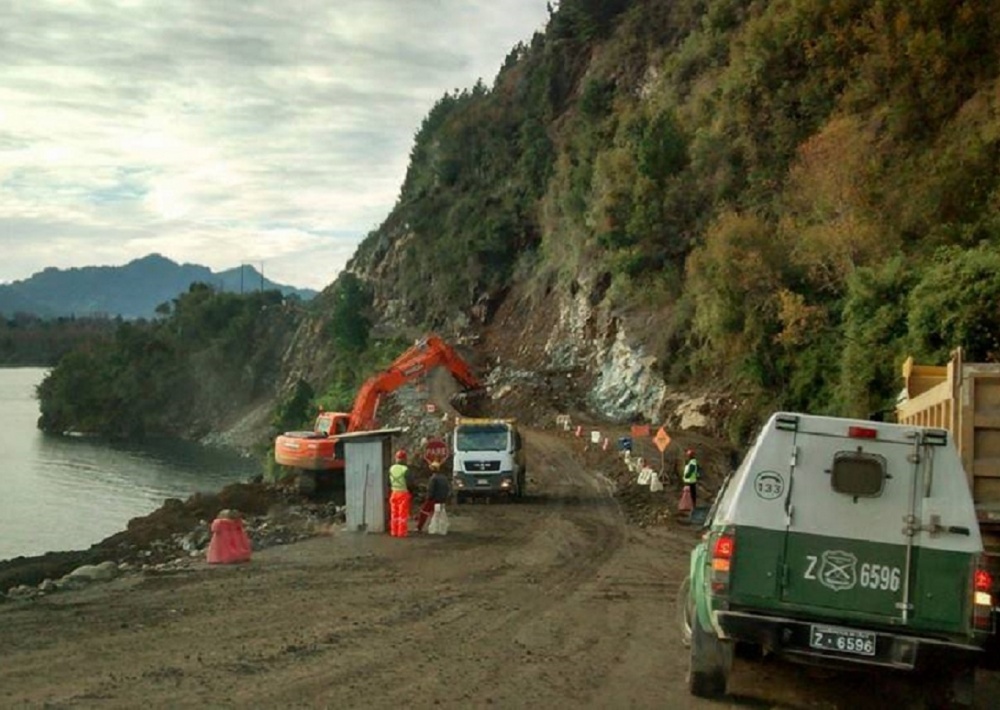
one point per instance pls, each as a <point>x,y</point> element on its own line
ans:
<point>723,548</point>
<point>862,432</point>
<point>722,556</point>
<point>982,608</point>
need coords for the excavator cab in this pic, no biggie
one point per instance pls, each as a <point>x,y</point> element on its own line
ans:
<point>331,423</point>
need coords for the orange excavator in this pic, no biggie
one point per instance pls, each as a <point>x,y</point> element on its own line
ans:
<point>317,451</point>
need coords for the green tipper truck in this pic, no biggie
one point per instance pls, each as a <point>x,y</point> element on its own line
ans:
<point>846,543</point>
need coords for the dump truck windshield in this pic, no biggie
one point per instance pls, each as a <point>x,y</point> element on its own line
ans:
<point>481,438</point>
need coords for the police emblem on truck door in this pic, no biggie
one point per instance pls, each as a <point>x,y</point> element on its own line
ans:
<point>838,570</point>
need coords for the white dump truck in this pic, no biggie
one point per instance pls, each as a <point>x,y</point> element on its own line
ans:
<point>487,459</point>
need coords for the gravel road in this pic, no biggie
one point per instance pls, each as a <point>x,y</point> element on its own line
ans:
<point>556,601</point>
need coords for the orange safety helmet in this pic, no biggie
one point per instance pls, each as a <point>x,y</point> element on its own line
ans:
<point>401,455</point>
<point>689,453</point>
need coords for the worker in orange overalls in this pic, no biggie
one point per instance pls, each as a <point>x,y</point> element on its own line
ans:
<point>400,483</point>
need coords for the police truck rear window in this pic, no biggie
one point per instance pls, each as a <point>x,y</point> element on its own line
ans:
<point>858,474</point>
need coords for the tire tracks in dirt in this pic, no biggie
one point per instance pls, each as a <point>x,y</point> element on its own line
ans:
<point>502,624</point>
<point>552,601</point>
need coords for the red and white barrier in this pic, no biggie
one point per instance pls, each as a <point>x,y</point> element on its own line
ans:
<point>230,542</point>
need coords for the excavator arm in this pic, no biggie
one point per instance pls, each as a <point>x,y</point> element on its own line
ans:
<point>418,360</point>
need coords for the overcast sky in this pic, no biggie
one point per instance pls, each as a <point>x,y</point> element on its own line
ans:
<point>221,132</point>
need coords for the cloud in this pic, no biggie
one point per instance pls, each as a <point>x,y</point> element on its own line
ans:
<point>219,132</point>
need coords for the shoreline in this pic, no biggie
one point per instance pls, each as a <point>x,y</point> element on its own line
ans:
<point>179,530</point>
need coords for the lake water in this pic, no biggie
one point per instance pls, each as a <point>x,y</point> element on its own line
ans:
<point>67,493</point>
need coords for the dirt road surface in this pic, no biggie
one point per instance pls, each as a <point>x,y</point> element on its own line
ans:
<point>556,601</point>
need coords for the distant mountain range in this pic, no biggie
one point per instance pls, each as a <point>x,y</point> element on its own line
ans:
<point>130,291</point>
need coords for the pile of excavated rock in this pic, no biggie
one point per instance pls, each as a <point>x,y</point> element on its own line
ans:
<point>179,532</point>
<point>174,536</point>
<point>642,504</point>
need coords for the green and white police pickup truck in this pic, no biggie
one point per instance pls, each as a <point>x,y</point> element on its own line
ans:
<point>845,543</point>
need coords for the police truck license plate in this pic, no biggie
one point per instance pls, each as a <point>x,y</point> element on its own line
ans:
<point>482,481</point>
<point>835,638</point>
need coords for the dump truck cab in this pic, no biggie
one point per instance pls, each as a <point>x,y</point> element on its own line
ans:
<point>846,543</point>
<point>487,459</point>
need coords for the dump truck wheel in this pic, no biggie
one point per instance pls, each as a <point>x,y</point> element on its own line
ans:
<point>711,659</point>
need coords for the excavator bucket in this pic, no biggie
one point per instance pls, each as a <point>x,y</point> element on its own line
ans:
<point>469,402</point>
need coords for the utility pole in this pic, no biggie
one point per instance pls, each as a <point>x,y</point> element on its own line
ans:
<point>241,278</point>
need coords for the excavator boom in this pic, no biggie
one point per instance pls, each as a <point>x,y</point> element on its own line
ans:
<point>319,451</point>
<point>423,356</point>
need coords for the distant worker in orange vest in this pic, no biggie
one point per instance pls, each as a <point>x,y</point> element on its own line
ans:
<point>400,482</point>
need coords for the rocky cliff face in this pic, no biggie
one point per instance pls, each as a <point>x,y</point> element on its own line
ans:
<point>541,349</point>
<point>547,348</point>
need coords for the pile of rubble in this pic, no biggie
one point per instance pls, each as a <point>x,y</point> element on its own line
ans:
<point>175,535</point>
<point>648,505</point>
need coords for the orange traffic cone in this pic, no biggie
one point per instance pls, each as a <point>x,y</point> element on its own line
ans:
<point>685,505</point>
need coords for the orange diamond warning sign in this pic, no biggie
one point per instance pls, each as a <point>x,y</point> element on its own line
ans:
<point>662,440</point>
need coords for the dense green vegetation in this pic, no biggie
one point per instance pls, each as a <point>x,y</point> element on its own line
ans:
<point>801,192</point>
<point>41,342</point>
<point>208,356</point>
<point>173,376</point>
<point>354,356</point>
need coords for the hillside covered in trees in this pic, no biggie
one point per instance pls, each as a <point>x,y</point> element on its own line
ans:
<point>797,194</point>
<point>182,375</point>
<point>782,199</point>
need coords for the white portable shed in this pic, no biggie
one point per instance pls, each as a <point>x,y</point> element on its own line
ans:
<point>367,457</point>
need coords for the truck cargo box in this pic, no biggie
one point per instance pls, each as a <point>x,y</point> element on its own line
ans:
<point>964,399</point>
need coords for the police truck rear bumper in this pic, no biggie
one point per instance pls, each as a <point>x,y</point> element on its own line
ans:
<point>796,638</point>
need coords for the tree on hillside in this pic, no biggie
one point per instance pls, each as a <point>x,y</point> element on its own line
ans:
<point>957,303</point>
<point>349,319</point>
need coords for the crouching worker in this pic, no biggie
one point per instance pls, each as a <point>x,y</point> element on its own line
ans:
<point>400,483</point>
<point>438,491</point>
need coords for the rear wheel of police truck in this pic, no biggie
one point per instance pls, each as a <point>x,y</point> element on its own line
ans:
<point>685,610</point>
<point>950,686</point>
<point>711,659</point>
